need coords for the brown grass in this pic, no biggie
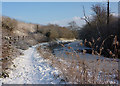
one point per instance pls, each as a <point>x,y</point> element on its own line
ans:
<point>82,71</point>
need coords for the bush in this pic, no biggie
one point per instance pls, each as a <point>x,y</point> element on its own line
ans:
<point>98,28</point>
<point>8,23</point>
<point>55,31</point>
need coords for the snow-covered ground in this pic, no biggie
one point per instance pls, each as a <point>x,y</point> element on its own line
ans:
<point>30,68</point>
<point>62,40</point>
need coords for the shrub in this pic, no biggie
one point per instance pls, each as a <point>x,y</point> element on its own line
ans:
<point>55,31</point>
<point>8,23</point>
<point>98,28</point>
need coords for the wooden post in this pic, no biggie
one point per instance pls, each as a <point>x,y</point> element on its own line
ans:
<point>108,13</point>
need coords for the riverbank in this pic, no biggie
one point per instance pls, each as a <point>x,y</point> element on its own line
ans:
<point>41,66</point>
<point>77,70</point>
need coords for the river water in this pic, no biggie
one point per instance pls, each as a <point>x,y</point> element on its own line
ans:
<point>60,51</point>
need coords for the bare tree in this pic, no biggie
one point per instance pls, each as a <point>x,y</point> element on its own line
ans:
<point>73,25</point>
<point>85,17</point>
<point>100,13</point>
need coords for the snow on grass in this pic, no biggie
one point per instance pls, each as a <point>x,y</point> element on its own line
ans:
<point>95,70</point>
<point>31,69</point>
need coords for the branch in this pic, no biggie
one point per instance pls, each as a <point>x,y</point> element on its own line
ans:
<point>86,18</point>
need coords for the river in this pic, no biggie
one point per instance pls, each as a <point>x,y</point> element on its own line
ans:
<point>75,47</point>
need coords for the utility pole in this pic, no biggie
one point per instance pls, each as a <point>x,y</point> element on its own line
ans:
<point>108,13</point>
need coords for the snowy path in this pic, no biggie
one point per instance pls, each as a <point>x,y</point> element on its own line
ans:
<point>31,69</point>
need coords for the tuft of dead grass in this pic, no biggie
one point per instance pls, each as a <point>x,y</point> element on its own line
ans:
<point>81,71</point>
